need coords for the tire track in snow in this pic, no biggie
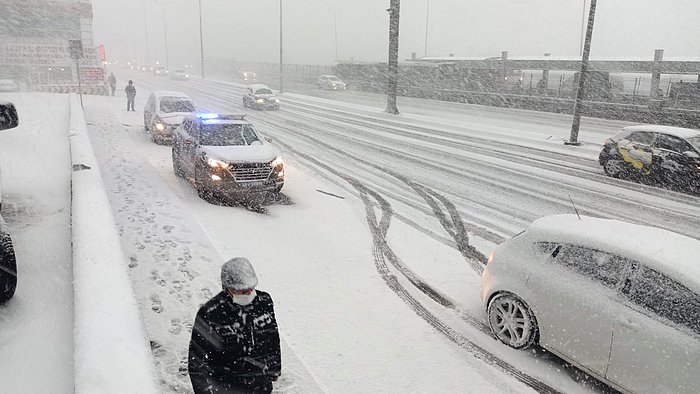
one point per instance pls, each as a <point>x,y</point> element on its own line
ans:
<point>382,252</point>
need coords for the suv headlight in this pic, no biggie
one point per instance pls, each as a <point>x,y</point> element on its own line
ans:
<point>213,163</point>
<point>260,101</point>
<point>160,126</point>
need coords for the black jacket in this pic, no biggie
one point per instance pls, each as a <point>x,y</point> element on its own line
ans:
<point>130,90</point>
<point>234,344</point>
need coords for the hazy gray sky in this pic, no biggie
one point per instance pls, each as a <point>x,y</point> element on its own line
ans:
<point>248,29</point>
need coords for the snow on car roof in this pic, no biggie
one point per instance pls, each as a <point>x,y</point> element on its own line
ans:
<point>673,254</point>
<point>168,93</point>
<point>675,131</point>
<point>257,86</point>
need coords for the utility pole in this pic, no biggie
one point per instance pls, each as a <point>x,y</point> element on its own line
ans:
<point>573,139</point>
<point>583,24</point>
<point>393,66</point>
<point>201,39</point>
<point>335,32</point>
<point>281,64</point>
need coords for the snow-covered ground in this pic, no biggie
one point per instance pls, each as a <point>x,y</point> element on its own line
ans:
<point>373,253</point>
<point>36,326</point>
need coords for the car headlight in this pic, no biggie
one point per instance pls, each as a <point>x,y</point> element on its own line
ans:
<point>260,101</point>
<point>277,100</point>
<point>277,164</point>
<point>160,126</point>
<point>213,163</point>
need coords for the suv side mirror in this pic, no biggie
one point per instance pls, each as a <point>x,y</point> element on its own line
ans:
<point>690,154</point>
<point>8,116</point>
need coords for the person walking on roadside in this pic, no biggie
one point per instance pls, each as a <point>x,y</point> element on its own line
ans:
<point>112,80</point>
<point>235,345</point>
<point>130,96</point>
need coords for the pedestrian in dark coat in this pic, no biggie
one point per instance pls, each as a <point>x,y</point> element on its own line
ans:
<point>112,80</point>
<point>235,345</point>
<point>130,95</point>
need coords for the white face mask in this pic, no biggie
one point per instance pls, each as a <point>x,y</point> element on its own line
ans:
<point>243,299</point>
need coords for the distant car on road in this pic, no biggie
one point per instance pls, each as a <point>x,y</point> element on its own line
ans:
<point>618,300</point>
<point>330,82</point>
<point>8,262</point>
<point>260,96</point>
<point>8,85</point>
<point>164,112</point>
<point>160,71</point>
<point>249,76</point>
<point>663,155</point>
<point>223,154</point>
<point>179,75</point>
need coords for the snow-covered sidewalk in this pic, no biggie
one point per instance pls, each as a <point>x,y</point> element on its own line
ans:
<point>36,326</point>
<point>173,264</point>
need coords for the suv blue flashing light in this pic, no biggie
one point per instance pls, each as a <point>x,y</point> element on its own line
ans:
<point>207,116</point>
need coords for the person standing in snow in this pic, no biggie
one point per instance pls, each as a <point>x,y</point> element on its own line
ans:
<point>235,345</point>
<point>112,80</point>
<point>130,95</point>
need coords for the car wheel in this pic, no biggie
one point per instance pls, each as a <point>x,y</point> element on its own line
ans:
<point>155,139</point>
<point>8,269</point>
<point>199,183</point>
<point>613,168</point>
<point>245,103</point>
<point>512,321</point>
<point>145,125</point>
<point>177,168</point>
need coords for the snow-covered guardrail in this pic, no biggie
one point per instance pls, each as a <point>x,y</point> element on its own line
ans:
<point>112,353</point>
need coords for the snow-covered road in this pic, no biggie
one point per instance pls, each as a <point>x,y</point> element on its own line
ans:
<point>373,252</point>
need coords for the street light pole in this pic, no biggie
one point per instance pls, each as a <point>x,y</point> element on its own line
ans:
<point>583,24</point>
<point>427,16</point>
<point>573,139</point>
<point>201,38</point>
<point>145,28</point>
<point>165,36</point>
<point>335,32</point>
<point>393,66</point>
<point>281,64</point>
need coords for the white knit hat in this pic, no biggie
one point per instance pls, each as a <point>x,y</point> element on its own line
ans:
<point>238,274</point>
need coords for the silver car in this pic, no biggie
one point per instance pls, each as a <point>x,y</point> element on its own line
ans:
<point>620,301</point>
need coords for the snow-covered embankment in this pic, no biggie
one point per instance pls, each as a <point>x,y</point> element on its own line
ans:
<point>111,348</point>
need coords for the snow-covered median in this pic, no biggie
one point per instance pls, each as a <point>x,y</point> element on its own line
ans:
<point>111,348</point>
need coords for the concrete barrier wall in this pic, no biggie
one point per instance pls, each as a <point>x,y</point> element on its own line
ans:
<point>112,352</point>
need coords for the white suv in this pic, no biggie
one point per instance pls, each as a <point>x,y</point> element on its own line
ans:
<point>164,112</point>
<point>618,300</point>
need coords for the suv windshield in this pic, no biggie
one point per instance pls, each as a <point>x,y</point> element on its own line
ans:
<point>335,79</point>
<point>175,104</point>
<point>228,134</point>
<point>263,91</point>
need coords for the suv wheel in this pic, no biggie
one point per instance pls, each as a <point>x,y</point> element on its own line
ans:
<point>512,321</point>
<point>199,183</point>
<point>8,268</point>
<point>177,167</point>
<point>613,168</point>
<point>145,125</point>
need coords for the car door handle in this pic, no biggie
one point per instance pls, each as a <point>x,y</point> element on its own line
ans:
<point>628,323</point>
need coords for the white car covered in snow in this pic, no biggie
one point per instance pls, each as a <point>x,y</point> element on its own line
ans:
<point>223,154</point>
<point>164,112</point>
<point>618,300</point>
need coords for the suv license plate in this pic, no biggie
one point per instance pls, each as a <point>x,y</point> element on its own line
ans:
<point>253,185</point>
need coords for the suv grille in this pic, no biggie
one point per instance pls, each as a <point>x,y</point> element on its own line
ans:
<point>246,172</point>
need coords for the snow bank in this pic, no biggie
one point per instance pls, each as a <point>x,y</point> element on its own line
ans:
<point>112,353</point>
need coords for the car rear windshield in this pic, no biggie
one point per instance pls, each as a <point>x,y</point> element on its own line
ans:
<point>263,91</point>
<point>228,135</point>
<point>695,141</point>
<point>334,79</point>
<point>175,104</point>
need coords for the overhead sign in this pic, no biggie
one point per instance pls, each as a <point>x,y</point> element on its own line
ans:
<point>75,48</point>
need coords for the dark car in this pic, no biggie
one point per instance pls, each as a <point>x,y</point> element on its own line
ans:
<point>260,96</point>
<point>223,154</point>
<point>8,263</point>
<point>661,155</point>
